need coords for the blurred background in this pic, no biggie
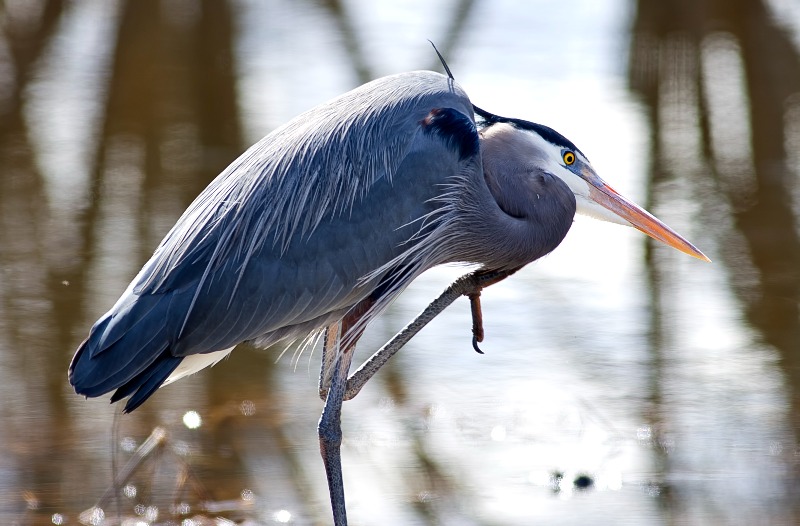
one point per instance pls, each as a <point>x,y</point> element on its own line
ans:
<point>623,382</point>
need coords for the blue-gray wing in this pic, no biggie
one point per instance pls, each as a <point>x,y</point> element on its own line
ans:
<point>327,210</point>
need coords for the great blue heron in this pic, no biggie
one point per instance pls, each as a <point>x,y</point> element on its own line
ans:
<point>319,226</point>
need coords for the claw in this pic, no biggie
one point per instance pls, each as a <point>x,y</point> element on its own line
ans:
<point>475,345</point>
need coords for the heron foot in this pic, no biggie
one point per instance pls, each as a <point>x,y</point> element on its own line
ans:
<point>477,320</point>
<point>473,285</point>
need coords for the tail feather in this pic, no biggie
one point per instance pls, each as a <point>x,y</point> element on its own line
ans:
<point>144,385</point>
<point>127,350</point>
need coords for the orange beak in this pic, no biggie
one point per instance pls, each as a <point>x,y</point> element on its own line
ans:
<point>639,218</point>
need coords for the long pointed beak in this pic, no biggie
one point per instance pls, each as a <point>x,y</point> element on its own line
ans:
<point>639,218</point>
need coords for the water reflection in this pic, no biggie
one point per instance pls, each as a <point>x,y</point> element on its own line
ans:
<point>717,78</point>
<point>668,391</point>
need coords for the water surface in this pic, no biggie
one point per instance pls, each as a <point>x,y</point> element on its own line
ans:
<point>623,382</point>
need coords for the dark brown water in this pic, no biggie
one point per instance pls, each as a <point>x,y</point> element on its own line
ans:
<point>622,382</point>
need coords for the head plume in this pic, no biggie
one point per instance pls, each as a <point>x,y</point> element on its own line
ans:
<point>485,115</point>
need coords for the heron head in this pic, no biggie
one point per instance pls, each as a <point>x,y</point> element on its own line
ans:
<point>552,152</point>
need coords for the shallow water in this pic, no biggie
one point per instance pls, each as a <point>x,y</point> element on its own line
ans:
<point>623,382</point>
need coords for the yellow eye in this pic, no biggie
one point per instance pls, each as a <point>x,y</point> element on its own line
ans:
<point>569,158</point>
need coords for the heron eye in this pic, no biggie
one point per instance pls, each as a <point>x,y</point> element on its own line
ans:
<point>569,157</point>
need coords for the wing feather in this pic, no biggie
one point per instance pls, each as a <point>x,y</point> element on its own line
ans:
<point>297,230</point>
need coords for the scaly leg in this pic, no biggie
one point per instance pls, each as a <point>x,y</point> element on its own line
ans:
<point>469,285</point>
<point>338,348</point>
<point>330,436</point>
<point>336,365</point>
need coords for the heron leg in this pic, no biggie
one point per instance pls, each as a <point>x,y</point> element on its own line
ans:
<point>469,285</point>
<point>330,437</point>
<point>330,423</point>
<point>337,387</point>
<point>328,355</point>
